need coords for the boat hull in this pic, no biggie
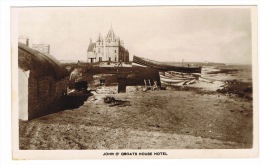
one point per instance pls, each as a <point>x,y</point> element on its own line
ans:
<point>163,67</point>
<point>167,78</point>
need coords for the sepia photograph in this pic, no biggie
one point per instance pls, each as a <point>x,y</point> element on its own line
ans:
<point>134,81</point>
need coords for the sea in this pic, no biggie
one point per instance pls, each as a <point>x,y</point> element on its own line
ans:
<point>221,71</point>
<point>216,75</point>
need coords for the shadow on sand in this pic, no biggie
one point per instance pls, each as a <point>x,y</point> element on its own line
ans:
<point>72,102</point>
<point>64,103</point>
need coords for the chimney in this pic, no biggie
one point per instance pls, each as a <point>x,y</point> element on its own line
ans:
<point>27,42</point>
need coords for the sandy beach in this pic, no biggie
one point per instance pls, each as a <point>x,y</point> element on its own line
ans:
<point>166,119</point>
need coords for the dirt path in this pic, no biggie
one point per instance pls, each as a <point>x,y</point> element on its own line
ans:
<point>155,119</point>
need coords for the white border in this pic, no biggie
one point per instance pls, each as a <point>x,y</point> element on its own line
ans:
<point>5,64</point>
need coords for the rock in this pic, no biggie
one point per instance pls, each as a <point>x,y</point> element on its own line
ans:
<point>97,97</point>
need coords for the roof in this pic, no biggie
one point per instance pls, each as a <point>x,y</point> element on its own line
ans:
<point>91,47</point>
<point>40,64</point>
<point>111,35</point>
<point>100,38</point>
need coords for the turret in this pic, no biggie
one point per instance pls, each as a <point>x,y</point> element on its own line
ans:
<point>111,35</point>
<point>100,40</point>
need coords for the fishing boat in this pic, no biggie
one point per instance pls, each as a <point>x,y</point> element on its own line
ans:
<point>167,78</point>
<point>164,67</point>
<point>169,74</point>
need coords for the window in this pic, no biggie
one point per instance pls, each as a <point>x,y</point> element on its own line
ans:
<point>100,58</point>
<point>115,51</point>
<point>98,50</point>
<point>115,58</point>
<point>109,59</point>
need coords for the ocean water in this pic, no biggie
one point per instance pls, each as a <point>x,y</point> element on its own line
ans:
<point>221,71</point>
<point>241,73</point>
<point>214,77</point>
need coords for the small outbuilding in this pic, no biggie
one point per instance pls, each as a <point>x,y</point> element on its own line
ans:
<point>42,83</point>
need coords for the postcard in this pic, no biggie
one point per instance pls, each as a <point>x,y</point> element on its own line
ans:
<point>134,82</point>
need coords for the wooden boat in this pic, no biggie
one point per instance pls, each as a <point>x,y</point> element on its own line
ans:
<point>177,79</point>
<point>164,67</point>
<point>177,76</point>
<point>169,74</point>
<point>169,79</point>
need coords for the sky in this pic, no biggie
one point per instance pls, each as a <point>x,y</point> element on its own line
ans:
<point>165,33</point>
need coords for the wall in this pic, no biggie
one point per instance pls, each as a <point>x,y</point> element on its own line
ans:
<point>23,93</point>
<point>100,51</point>
<point>111,53</point>
<point>45,95</point>
<point>135,75</point>
<point>91,55</point>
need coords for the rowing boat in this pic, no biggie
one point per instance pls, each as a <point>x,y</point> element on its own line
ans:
<point>169,74</point>
<point>167,78</point>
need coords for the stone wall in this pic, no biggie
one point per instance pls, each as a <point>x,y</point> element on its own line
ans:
<point>45,94</point>
<point>134,76</point>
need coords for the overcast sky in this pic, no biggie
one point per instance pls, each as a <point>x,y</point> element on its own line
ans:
<point>159,33</point>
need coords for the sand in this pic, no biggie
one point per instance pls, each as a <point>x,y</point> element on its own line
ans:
<point>165,119</point>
